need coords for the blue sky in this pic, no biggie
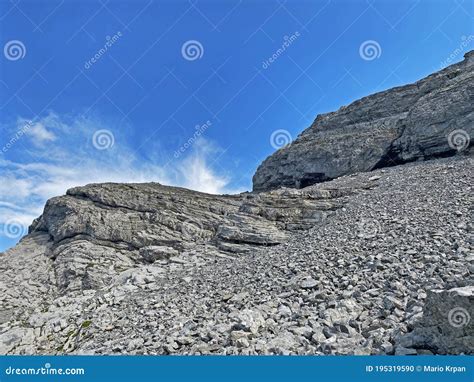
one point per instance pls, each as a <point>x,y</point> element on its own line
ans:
<point>191,93</point>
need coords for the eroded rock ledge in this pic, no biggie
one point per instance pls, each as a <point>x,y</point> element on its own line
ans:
<point>396,126</point>
<point>99,229</point>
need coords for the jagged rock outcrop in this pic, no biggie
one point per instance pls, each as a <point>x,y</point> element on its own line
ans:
<point>445,327</point>
<point>399,125</point>
<point>100,229</point>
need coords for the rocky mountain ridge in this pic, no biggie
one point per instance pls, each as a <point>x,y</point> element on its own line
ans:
<point>396,126</point>
<point>374,262</point>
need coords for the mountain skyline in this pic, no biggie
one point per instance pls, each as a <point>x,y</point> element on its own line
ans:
<point>168,92</point>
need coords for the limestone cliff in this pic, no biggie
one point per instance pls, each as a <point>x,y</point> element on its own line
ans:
<point>431,118</point>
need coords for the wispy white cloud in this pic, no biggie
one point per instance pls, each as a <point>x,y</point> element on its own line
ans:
<point>40,134</point>
<point>62,155</point>
<point>43,131</point>
<point>198,175</point>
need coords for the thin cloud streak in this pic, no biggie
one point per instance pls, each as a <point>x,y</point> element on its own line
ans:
<point>65,158</point>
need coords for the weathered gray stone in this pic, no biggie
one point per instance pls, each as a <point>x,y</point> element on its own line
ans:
<point>153,253</point>
<point>447,324</point>
<point>250,320</point>
<point>308,283</point>
<point>395,126</point>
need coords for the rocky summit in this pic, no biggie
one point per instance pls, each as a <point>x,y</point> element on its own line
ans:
<point>326,258</point>
<point>396,126</point>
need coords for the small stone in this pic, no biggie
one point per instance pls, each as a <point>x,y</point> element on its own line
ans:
<point>308,283</point>
<point>387,348</point>
<point>184,340</point>
<point>238,334</point>
<point>284,311</point>
<point>318,337</point>
<point>399,350</point>
<point>135,344</point>
<point>250,320</point>
<point>242,342</point>
<point>155,252</point>
<point>227,296</point>
<point>177,260</point>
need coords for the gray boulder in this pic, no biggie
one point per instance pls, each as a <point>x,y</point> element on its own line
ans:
<point>447,325</point>
<point>153,253</point>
